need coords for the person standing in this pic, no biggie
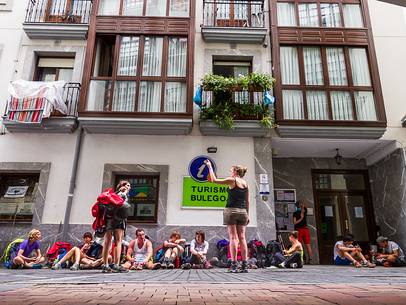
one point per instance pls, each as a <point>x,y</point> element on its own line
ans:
<point>300,222</point>
<point>235,214</point>
<point>116,218</point>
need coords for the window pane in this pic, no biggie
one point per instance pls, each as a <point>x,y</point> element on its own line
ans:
<point>289,66</point>
<point>365,105</point>
<point>65,74</point>
<point>308,14</point>
<point>133,7</point>
<point>352,16</point>
<point>124,96</point>
<point>109,7</point>
<point>342,105</point>
<point>156,8</point>
<point>330,15</point>
<point>317,105</point>
<point>179,8</point>
<point>292,105</point>
<point>177,56</point>
<point>152,56</point>
<point>286,14</point>
<point>313,66</point>
<point>175,97</point>
<point>360,67</point>
<point>150,97</point>
<point>337,72</point>
<point>99,95</point>
<point>103,65</point>
<point>128,56</point>
<point>18,193</point>
<point>340,181</point>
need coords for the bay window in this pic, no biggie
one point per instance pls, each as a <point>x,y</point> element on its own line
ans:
<point>149,74</point>
<point>153,8</point>
<point>326,83</point>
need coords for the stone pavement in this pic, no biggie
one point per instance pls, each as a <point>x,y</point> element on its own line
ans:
<point>311,285</point>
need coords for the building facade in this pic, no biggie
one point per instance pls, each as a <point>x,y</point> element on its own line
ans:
<point>131,70</point>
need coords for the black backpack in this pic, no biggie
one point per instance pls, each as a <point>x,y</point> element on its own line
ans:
<point>257,250</point>
<point>272,248</point>
<point>95,250</point>
<point>222,252</point>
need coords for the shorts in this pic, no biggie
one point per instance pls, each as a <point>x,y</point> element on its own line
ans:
<point>339,261</point>
<point>304,235</point>
<point>235,216</point>
<point>113,224</point>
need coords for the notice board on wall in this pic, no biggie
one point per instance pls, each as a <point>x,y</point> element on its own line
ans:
<point>285,200</point>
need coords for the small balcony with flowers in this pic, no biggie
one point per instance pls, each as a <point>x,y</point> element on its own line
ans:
<point>241,106</point>
<point>234,21</point>
<point>42,107</point>
<point>58,19</point>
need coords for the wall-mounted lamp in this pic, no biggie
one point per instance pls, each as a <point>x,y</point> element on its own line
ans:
<point>211,150</point>
<point>338,157</point>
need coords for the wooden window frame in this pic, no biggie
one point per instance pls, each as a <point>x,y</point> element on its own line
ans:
<point>138,78</point>
<point>132,219</point>
<point>26,218</point>
<point>326,87</point>
<point>144,10</point>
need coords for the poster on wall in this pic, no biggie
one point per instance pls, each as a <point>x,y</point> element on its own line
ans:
<point>16,191</point>
<point>284,208</point>
<point>203,195</point>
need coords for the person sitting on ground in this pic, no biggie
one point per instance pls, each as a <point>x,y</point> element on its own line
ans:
<point>345,253</point>
<point>173,249</point>
<point>24,257</point>
<point>390,254</point>
<point>292,258</point>
<point>140,253</point>
<point>198,248</point>
<point>80,256</point>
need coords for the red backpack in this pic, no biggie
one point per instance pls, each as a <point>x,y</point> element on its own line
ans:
<point>108,197</point>
<point>53,252</point>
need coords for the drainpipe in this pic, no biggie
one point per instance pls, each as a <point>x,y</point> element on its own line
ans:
<point>72,183</point>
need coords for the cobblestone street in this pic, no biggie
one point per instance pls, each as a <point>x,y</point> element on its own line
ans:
<point>312,285</point>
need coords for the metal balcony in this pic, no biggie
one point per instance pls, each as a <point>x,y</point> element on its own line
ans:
<point>57,19</point>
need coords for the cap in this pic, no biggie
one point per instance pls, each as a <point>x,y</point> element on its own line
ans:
<point>381,239</point>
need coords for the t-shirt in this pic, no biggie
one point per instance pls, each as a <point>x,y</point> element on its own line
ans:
<point>203,247</point>
<point>25,245</point>
<point>336,250</point>
<point>303,222</point>
<point>392,246</point>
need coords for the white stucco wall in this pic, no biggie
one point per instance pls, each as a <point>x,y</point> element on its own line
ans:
<point>389,30</point>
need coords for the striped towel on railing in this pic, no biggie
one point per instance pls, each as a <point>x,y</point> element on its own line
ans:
<point>26,110</point>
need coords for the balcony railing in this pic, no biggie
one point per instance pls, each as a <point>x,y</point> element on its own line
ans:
<point>234,13</point>
<point>30,110</point>
<point>59,11</point>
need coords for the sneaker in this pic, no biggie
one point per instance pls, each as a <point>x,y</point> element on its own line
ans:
<point>233,268</point>
<point>56,267</point>
<point>164,265</point>
<point>106,269</point>
<point>119,269</point>
<point>244,267</point>
<point>37,266</point>
<point>157,266</point>
<point>293,265</point>
<point>282,265</point>
<point>186,266</point>
<point>75,267</point>
<point>272,267</point>
<point>170,266</point>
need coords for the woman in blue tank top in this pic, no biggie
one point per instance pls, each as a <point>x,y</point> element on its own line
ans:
<point>235,215</point>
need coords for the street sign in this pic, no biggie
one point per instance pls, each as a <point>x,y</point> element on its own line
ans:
<point>198,170</point>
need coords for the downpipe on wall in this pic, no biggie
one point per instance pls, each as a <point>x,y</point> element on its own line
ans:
<point>72,183</point>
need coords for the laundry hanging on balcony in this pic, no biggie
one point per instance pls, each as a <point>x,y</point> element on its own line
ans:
<point>30,102</point>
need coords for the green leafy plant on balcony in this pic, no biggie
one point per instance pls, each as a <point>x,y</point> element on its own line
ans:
<point>223,111</point>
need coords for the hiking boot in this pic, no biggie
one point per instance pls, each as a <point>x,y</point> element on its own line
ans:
<point>106,269</point>
<point>56,267</point>
<point>233,268</point>
<point>186,266</point>
<point>244,267</point>
<point>119,269</point>
<point>75,267</point>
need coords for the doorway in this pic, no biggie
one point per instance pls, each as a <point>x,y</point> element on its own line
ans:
<point>342,205</point>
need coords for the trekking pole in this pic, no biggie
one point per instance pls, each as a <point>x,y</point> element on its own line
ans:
<point>281,242</point>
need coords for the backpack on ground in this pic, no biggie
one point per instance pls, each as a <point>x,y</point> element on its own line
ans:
<point>95,250</point>
<point>11,252</point>
<point>272,248</point>
<point>57,249</point>
<point>159,255</point>
<point>257,250</point>
<point>222,253</point>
